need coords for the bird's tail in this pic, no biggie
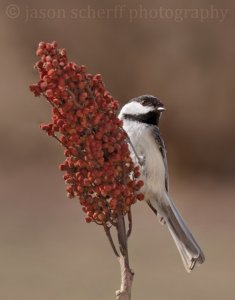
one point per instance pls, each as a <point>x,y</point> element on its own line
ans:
<point>189,250</point>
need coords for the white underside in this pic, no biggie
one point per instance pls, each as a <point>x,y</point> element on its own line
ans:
<point>153,170</point>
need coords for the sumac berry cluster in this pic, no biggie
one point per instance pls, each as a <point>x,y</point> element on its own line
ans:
<point>98,167</point>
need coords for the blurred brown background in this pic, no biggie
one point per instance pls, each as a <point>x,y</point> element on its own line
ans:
<point>46,249</point>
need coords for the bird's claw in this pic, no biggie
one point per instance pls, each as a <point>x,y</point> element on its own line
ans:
<point>141,160</point>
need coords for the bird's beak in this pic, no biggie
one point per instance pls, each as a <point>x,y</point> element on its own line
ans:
<point>160,109</point>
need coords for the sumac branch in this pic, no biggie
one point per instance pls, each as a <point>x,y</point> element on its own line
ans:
<point>98,167</point>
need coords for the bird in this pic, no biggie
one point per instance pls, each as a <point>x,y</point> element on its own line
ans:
<point>141,117</point>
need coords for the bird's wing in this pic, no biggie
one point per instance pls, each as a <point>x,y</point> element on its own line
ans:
<point>161,145</point>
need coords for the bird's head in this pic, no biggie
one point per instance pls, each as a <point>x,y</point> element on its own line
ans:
<point>144,109</point>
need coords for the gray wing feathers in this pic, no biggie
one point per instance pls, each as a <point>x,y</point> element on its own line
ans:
<point>189,250</point>
<point>162,148</point>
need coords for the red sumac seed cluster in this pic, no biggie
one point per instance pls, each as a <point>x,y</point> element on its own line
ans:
<point>98,167</point>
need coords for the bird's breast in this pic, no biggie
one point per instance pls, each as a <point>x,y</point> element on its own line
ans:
<point>153,169</point>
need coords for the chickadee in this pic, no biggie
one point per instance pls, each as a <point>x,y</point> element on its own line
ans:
<point>141,118</point>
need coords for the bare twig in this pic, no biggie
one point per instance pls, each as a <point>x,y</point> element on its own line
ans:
<point>126,274</point>
<point>58,140</point>
<point>107,231</point>
<point>129,223</point>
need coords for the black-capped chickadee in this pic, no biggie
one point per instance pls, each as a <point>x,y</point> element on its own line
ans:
<point>141,122</point>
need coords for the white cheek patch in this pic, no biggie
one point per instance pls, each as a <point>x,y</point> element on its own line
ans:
<point>134,108</point>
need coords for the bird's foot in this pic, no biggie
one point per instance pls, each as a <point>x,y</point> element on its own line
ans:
<point>141,160</point>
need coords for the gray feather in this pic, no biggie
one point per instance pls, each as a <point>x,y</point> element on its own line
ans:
<point>162,148</point>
